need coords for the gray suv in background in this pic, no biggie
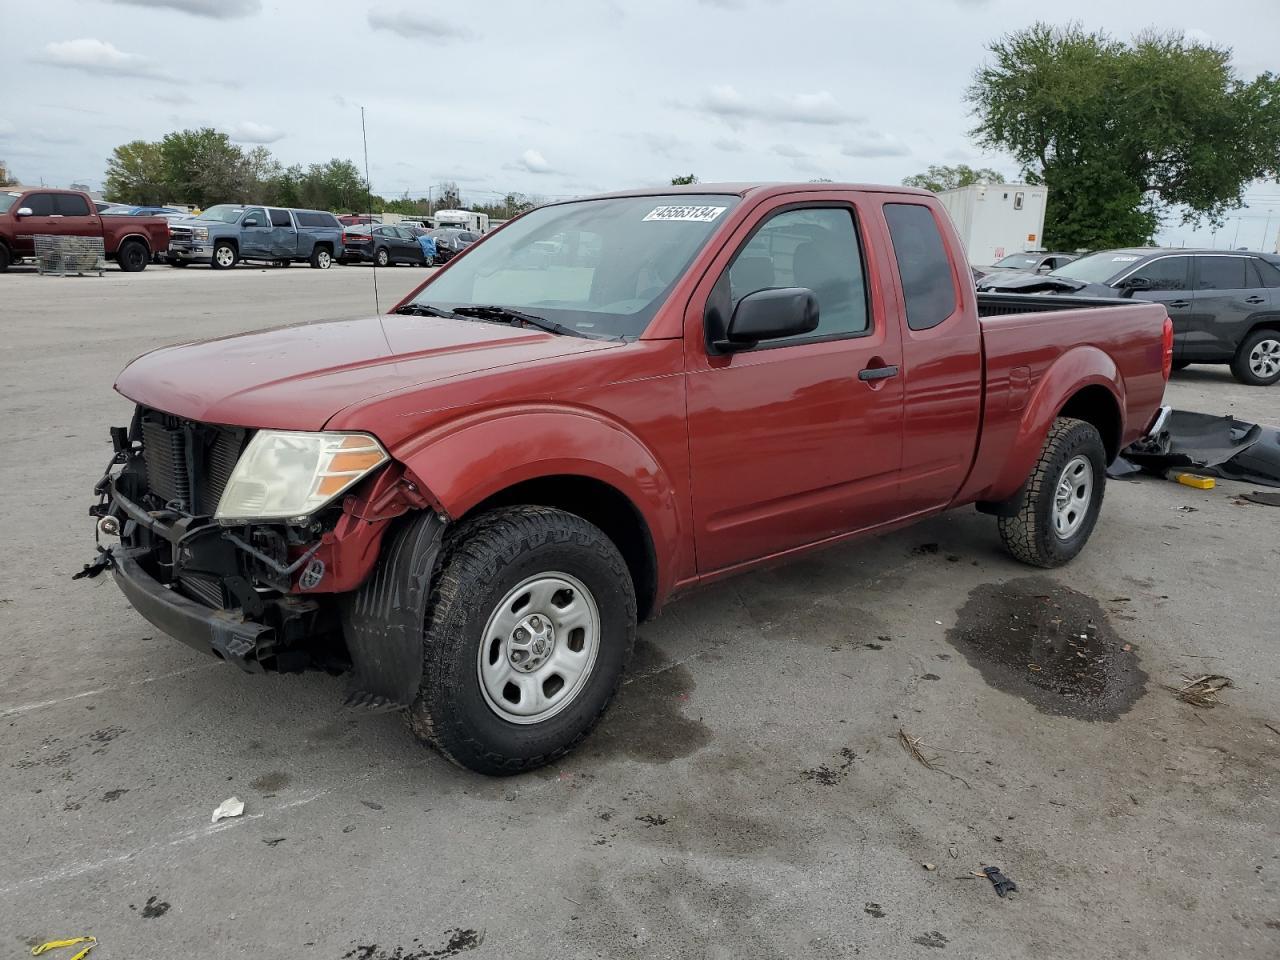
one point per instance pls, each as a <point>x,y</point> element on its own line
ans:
<point>225,234</point>
<point>1225,305</point>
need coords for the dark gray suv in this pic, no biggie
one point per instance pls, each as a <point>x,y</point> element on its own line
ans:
<point>1225,305</point>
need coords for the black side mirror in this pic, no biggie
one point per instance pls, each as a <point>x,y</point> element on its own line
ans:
<point>770,315</point>
<point>1130,285</point>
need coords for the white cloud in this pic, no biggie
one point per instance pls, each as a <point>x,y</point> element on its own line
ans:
<point>415,23</point>
<point>212,9</point>
<point>789,150</point>
<point>821,108</point>
<point>532,161</point>
<point>98,56</point>
<point>729,145</point>
<point>874,144</point>
<point>246,131</point>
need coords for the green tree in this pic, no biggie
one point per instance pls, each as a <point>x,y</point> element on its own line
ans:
<point>204,167</point>
<point>1120,132</point>
<point>684,180</point>
<point>938,178</point>
<point>136,174</point>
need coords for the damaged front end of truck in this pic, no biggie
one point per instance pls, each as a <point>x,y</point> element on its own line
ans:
<point>255,546</point>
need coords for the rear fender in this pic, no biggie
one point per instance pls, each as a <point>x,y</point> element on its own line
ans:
<point>1077,368</point>
<point>471,459</point>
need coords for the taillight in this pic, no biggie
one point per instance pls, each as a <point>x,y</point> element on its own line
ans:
<point>1167,348</point>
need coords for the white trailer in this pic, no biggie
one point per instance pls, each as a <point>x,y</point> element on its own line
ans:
<point>462,220</point>
<point>997,219</point>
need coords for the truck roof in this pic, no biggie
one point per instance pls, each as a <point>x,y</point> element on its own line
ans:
<point>758,187</point>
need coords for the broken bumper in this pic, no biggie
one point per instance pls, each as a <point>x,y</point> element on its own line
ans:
<point>221,633</point>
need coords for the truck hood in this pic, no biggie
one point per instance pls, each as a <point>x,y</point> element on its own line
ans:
<point>298,377</point>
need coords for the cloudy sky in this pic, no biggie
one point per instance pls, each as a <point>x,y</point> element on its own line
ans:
<point>553,99</point>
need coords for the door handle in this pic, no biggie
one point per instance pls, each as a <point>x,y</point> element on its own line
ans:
<point>877,373</point>
<point>1254,300</point>
<point>1179,303</point>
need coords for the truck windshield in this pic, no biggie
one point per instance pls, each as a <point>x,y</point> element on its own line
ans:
<point>597,267</point>
<point>1098,267</point>
<point>222,213</point>
<point>7,200</point>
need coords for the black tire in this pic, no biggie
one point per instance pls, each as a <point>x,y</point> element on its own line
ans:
<point>1181,364</point>
<point>1030,534</point>
<point>321,258</point>
<point>175,262</point>
<point>483,560</point>
<point>1257,362</point>
<point>382,258</point>
<point>5,258</point>
<point>227,252</point>
<point>133,256</point>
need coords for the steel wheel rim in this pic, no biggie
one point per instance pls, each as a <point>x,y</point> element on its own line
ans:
<point>225,256</point>
<point>1264,358</point>
<point>538,648</point>
<point>1072,496</point>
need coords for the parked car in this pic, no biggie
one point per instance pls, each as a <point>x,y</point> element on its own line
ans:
<point>130,241</point>
<point>169,213</point>
<point>1033,262</point>
<point>450,242</point>
<point>113,209</point>
<point>356,219</point>
<point>474,497</point>
<point>1225,305</point>
<point>383,245</point>
<point>225,234</point>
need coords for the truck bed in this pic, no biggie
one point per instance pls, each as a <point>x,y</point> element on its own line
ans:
<point>1026,354</point>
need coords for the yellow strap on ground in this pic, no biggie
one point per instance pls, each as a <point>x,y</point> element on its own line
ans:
<point>55,944</point>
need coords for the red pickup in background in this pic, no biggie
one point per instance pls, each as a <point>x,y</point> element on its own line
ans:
<point>130,241</point>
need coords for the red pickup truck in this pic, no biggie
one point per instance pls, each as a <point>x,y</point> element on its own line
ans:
<point>130,241</point>
<point>471,500</point>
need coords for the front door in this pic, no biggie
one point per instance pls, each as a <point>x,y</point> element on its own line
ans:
<point>800,440</point>
<point>255,235</point>
<point>38,222</point>
<point>1170,279</point>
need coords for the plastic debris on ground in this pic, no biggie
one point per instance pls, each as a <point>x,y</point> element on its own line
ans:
<point>1004,886</point>
<point>231,807</point>
<point>1262,497</point>
<point>74,941</point>
<point>1222,446</point>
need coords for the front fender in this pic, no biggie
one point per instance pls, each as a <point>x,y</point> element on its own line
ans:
<point>471,459</point>
<point>1077,368</point>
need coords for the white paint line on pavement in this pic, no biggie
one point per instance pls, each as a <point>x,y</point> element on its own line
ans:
<point>41,704</point>
<point>77,869</point>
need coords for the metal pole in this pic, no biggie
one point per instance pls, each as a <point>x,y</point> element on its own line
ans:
<point>1265,230</point>
<point>1237,236</point>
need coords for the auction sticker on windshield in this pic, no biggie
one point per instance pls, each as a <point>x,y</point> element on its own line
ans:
<point>686,214</point>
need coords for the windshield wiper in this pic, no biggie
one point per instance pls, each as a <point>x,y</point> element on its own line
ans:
<point>516,316</point>
<point>426,310</point>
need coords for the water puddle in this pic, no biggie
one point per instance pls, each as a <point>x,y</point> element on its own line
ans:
<point>1051,645</point>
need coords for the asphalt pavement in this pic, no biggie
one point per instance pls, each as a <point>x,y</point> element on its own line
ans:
<point>808,761</point>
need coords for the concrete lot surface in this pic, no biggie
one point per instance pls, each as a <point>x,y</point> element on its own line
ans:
<point>747,796</point>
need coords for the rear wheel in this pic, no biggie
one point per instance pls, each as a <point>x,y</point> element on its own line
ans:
<point>531,622</point>
<point>225,255</point>
<point>1062,497</point>
<point>133,256</point>
<point>382,258</point>
<point>321,258</point>
<point>1257,362</point>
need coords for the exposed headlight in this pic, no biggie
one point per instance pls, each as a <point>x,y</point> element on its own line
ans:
<point>200,233</point>
<point>283,475</point>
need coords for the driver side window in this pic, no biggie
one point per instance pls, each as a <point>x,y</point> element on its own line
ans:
<point>254,217</point>
<point>813,247</point>
<point>1167,273</point>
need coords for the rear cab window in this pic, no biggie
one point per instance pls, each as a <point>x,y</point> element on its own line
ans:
<point>280,218</point>
<point>928,287</point>
<point>71,205</point>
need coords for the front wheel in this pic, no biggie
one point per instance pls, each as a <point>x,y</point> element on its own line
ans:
<point>532,621</point>
<point>1062,497</point>
<point>1257,362</point>
<point>225,256</point>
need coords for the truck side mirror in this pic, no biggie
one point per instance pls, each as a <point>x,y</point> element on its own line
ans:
<point>23,212</point>
<point>251,222</point>
<point>771,315</point>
